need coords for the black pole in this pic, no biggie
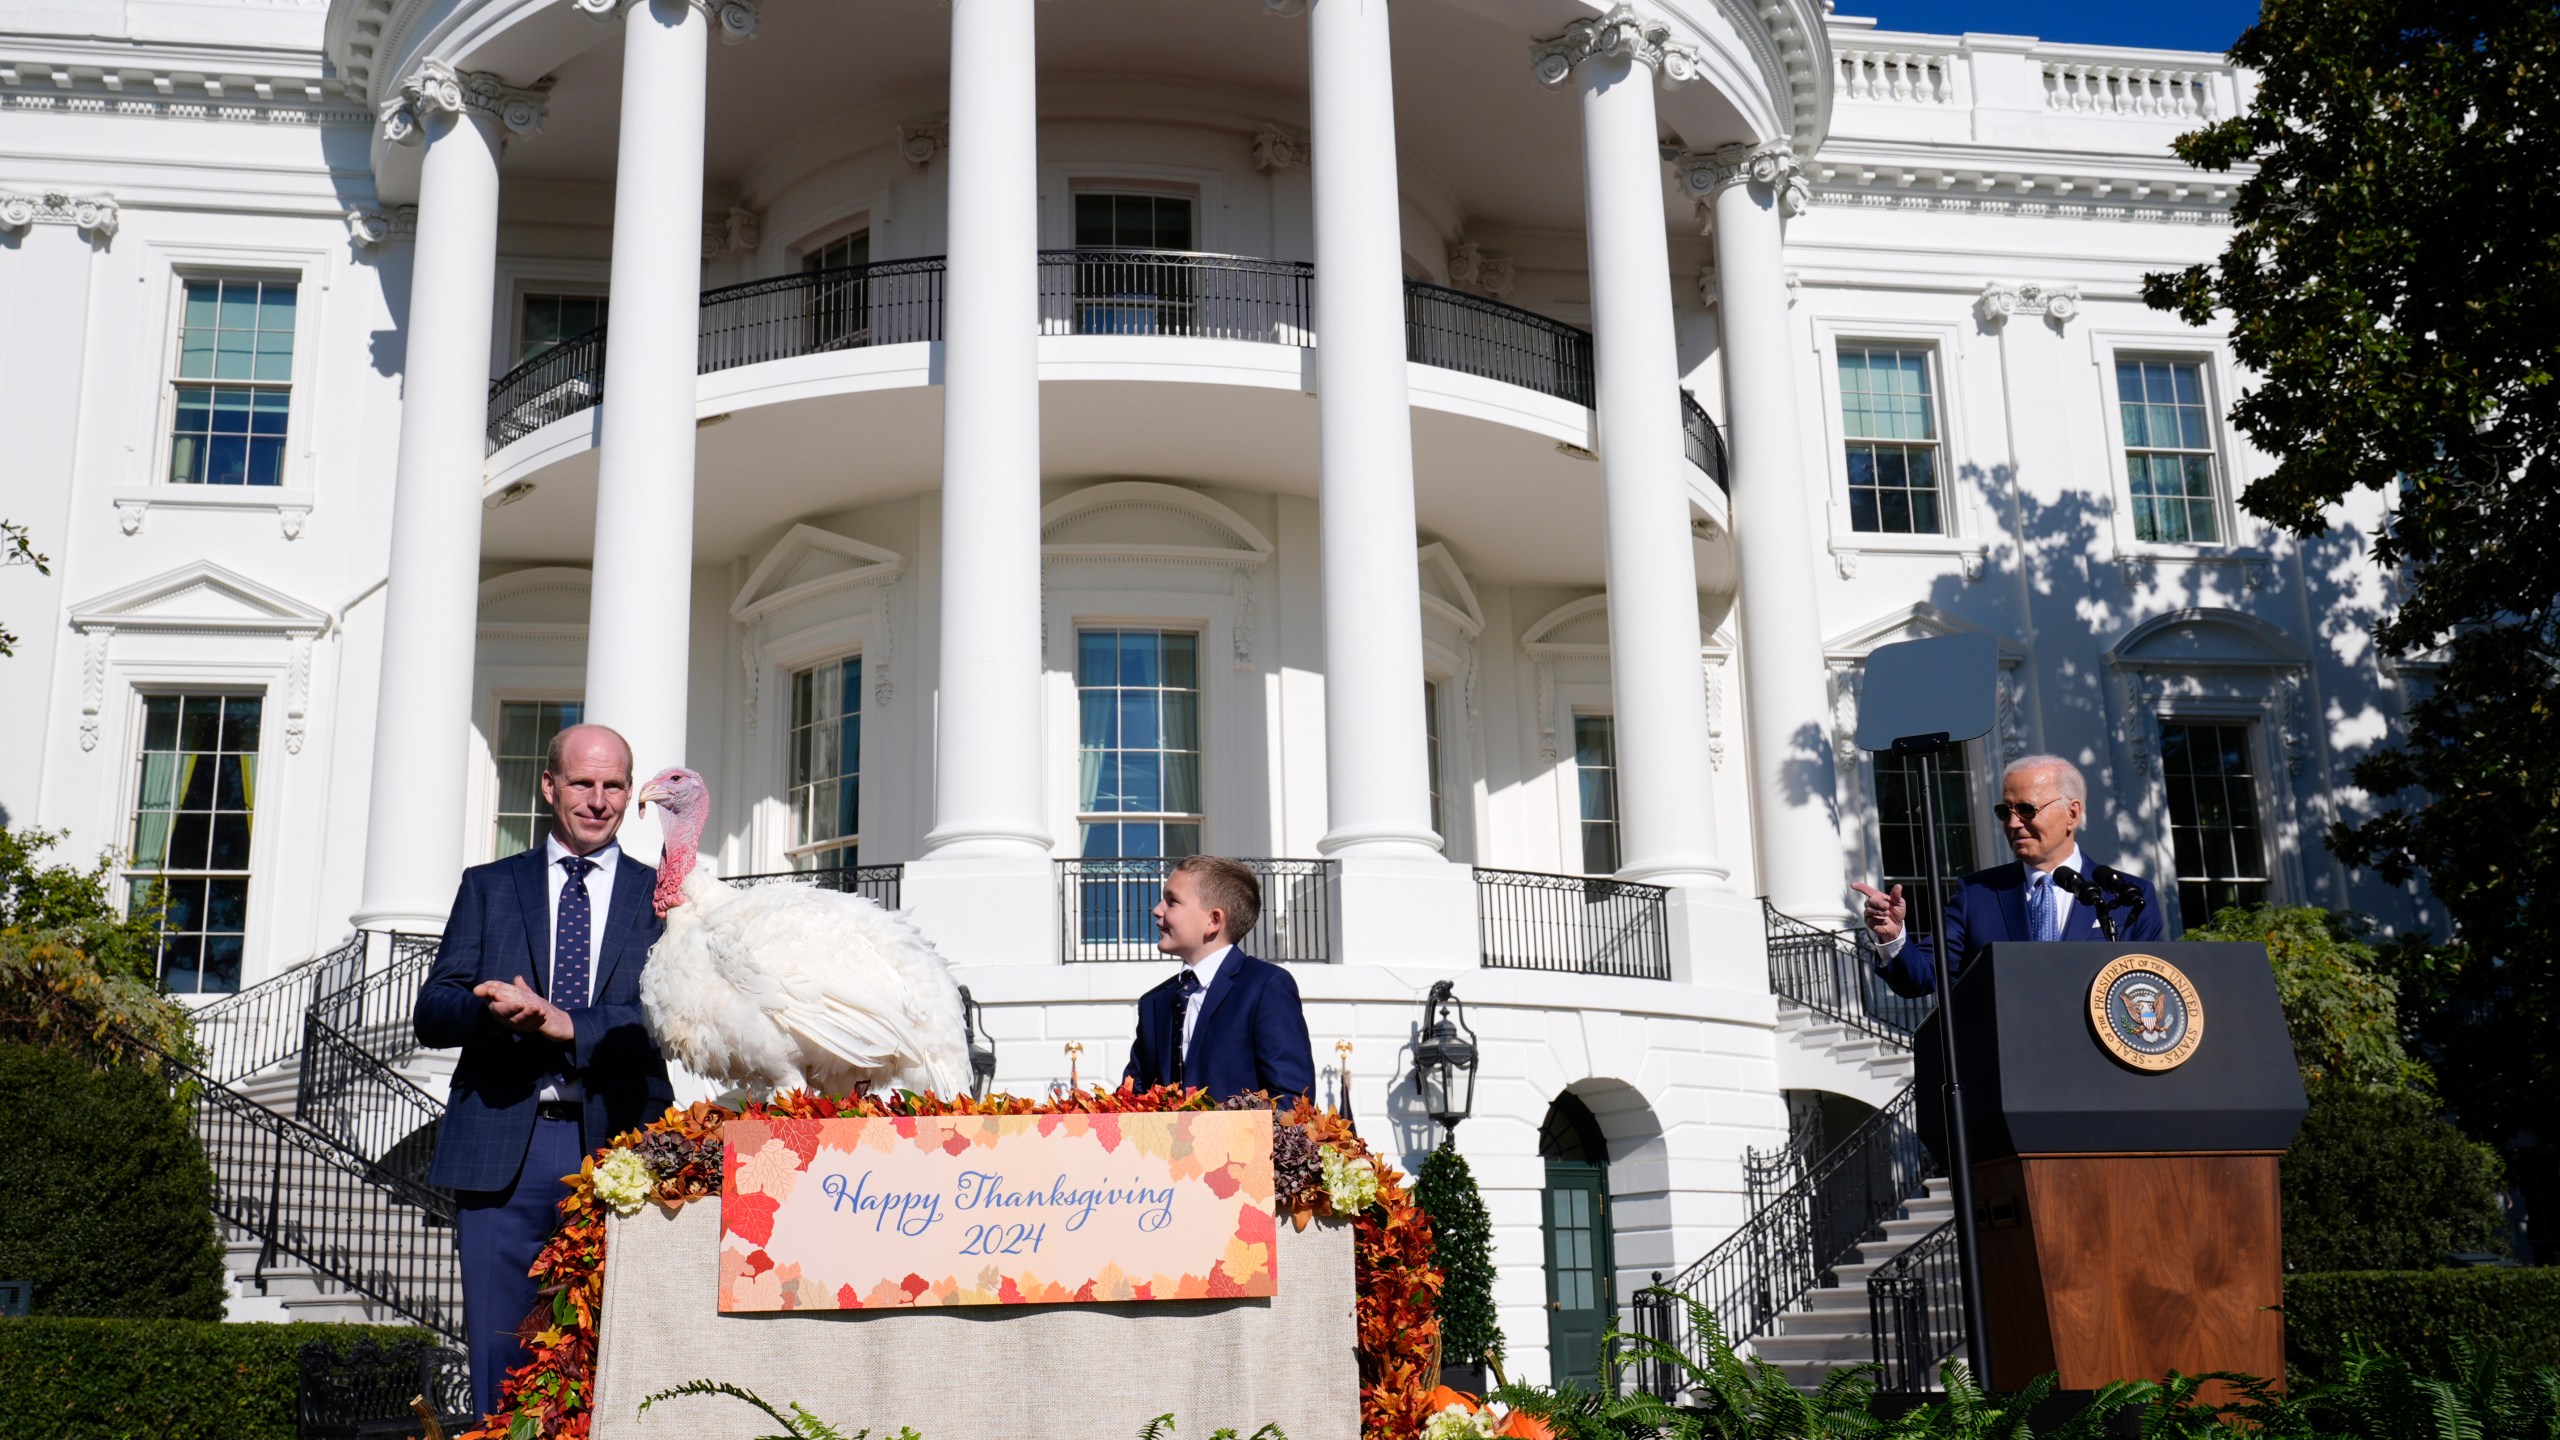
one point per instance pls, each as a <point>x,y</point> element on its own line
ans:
<point>1960,1165</point>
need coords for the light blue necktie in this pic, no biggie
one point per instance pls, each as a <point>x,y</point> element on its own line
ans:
<point>2040,923</point>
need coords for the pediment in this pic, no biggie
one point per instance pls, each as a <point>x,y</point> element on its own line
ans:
<point>1147,520</point>
<point>551,598</point>
<point>1581,626</point>
<point>1445,591</point>
<point>1919,621</point>
<point>2207,638</point>
<point>809,562</point>
<point>200,596</point>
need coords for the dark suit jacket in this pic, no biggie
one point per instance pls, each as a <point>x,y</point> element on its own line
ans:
<point>1252,1034</point>
<point>501,928</point>
<point>1990,907</point>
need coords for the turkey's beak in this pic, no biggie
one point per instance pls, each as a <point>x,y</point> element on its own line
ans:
<point>649,793</point>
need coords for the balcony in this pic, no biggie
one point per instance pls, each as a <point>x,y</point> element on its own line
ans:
<point>878,883</point>
<point>1575,924</point>
<point>1106,910</point>
<point>1082,292</point>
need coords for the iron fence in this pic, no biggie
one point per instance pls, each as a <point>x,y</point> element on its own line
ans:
<point>1915,1308</point>
<point>1106,910</point>
<point>1176,293</point>
<point>878,883</point>
<point>1826,971</point>
<point>246,1032</point>
<point>1703,440</point>
<point>1791,1244</point>
<point>1475,336</point>
<point>1586,925</point>
<point>362,1391</point>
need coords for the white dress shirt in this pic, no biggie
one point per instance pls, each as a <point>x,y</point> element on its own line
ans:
<point>599,888</point>
<point>1207,973</point>
<point>2062,901</point>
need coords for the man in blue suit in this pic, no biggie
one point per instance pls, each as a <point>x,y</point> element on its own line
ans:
<point>1225,1022</point>
<point>538,981</point>
<point>2043,801</point>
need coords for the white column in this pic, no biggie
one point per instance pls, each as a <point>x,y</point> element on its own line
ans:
<point>986,872</point>
<point>1666,791</point>
<point>988,720</point>
<point>640,609</point>
<point>414,845</point>
<point>1377,775</point>
<point>1793,799</point>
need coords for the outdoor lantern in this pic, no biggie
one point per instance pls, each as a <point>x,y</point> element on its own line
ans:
<point>1444,1057</point>
<point>982,1051</point>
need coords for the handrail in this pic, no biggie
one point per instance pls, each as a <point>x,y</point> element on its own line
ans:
<point>1792,1243</point>
<point>1915,1310</point>
<point>1703,440</point>
<point>348,1086</point>
<point>1085,291</point>
<point>1105,909</point>
<point>879,883</point>
<point>246,1031</point>
<point>1826,971</point>
<point>1581,924</point>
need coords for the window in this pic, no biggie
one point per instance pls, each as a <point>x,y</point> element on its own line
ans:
<point>551,319</point>
<point>839,307</point>
<point>1138,773</point>
<point>1900,828</point>
<point>2213,818</point>
<point>1595,763</point>
<point>1431,754</point>
<point>191,823</point>
<point>234,385</point>
<point>1890,418</point>
<point>1132,295</point>
<point>826,765</point>
<point>2168,451</point>
<point>525,728</point>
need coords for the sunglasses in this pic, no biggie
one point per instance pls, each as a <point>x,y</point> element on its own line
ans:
<point>2024,811</point>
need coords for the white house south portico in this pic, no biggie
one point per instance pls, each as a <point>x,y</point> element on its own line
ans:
<point>1453,455</point>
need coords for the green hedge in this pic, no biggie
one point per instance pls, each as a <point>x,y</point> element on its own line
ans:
<point>2415,1314</point>
<point>68,1379</point>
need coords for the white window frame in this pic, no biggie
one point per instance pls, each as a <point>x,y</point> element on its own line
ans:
<point>792,849</point>
<point>525,290</point>
<point>2243,542</point>
<point>498,698</point>
<point>1200,628</point>
<point>519,277</point>
<point>1966,538</point>
<point>2181,710</point>
<point>2257,697</point>
<point>129,799</point>
<point>1061,181</point>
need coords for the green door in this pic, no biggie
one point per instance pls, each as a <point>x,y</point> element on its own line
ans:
<point>1579,1265</point>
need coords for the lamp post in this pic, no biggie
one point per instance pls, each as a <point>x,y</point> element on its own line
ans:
<point>982,1051</point>
<point>1444,1058</point>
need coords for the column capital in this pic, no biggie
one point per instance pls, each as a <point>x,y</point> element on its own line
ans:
<point>1999,301</point>
<point>740,229</point>
<point>734,21</point>
<point>373,228</point>
<point>95,214</point>
<point>1620,32</point>
<point>436,86</point>
<point>1769,162</point>
<point>1277,149</point>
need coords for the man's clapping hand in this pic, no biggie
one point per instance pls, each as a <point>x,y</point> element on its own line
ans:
<point>1884,912</point>
<point>518,1007</point>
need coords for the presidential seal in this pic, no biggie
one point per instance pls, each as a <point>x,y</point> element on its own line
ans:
<point>2146,1012</point>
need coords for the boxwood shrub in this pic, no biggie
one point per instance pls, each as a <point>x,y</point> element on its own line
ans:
<point>2416,1315</point>
<point>81,1379</point>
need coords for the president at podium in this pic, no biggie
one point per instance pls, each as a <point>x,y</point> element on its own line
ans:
<point>2052,891</point>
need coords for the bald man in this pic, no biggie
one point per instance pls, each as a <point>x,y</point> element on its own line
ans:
<point>2043,803</point>
<point>538,982</point>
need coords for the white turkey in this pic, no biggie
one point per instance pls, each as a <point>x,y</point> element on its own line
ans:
<point>778,987</point>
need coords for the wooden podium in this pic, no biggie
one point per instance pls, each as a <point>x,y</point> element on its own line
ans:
<point>2126,1105</point>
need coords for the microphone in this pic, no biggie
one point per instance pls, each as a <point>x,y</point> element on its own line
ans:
<point>2088,893</point>
<point>2115,880</point>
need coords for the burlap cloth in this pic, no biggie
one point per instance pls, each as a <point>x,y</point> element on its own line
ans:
<point>987,1372</point>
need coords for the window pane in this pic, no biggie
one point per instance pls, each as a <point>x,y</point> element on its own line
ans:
<point>192,826</point>
<point>525,729</point>
<point>825,754</point>
<point>2206,770</point>
<point>1138,724</point>
<point>1596,785</point>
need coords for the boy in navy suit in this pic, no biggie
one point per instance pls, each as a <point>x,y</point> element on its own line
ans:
<point>1225,1022</point>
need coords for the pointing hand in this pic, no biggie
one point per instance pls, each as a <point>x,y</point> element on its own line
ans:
<point>1883,913</point>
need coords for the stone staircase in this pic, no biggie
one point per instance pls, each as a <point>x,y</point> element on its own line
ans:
<point>1819,1052</point>
<point>1830,1327</point>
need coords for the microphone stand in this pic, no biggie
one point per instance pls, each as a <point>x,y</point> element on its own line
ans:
<point>1926,749</point>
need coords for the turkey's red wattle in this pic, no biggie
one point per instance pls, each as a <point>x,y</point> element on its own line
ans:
<point>675,861</point>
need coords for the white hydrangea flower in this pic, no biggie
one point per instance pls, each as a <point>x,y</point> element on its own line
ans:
<point>623,1180</point>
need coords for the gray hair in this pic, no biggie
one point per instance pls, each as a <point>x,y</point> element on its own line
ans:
<point>2068,777</point>
<point>560,744</point>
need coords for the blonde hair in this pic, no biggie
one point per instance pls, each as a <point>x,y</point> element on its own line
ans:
<point>1226,885</point>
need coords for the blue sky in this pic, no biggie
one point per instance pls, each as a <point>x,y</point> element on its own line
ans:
<point>2169,24</point>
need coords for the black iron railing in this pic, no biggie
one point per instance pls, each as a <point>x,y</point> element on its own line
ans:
<point>1106,910</point>
<point>362,1391</point>
<point>1704,441</point>
<point>1793,1242</point>
<point>348,1087</point>
<point>1915,1306</point>
<point>1587,925</point>
<point>244,1033</point>
<point>311,1198</point>
<point>872,882</point>
<point>1082,292</point>
<point>1826,971</point>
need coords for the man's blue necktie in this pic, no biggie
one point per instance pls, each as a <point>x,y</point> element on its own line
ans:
<point>2040,924</point>
<point>1190,986</point>
<point>569,937</point>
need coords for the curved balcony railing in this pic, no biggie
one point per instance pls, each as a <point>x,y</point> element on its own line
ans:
<point>1082,292</point>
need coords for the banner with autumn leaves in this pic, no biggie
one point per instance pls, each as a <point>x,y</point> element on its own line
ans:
<point>1322,1170</point>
